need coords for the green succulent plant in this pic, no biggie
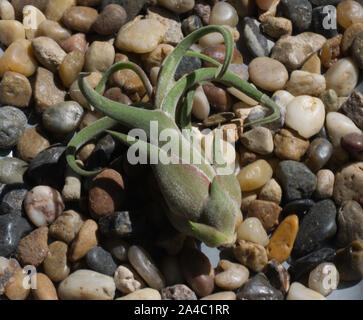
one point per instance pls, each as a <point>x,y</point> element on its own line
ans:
<point>201,202</point>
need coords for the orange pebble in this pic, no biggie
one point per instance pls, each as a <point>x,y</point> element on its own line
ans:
<point>283,239</point>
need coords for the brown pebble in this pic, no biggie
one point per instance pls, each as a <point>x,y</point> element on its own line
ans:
<point>79,18</point>
<point>289,145</point>
<point>45,289</point>
<point>330,52</point>
<point>110,20</point>
<point>33,248</point>
<point>218,53</point>
<point>76,42</point>
<point>85,240</point>
<point>107,193</point>
<point>219,99</point>
<point>55,264</point>
<point>198,271</point>
<point>116,94</point>
<point>67,226</point>
<point>353,143</point>
<point>31,143</point>
<point>283,239</point>
<point>268,212</point>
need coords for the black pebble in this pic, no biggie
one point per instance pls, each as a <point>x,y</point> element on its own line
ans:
<point>307,263</point>
<point>317,226</point>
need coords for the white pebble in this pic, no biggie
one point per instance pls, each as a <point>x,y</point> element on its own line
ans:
<point>339,125</point>
<point>306,83</point>
<point>125,281</point>
<point>300,292</point>
<point>87,285</point>
<point>325,184</point>
<point>201,107</point>
<point>73,184</point>
<point>306,115</point>
<point>324,278</point>
<point>43,205</point>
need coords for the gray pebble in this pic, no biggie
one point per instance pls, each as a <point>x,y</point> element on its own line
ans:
<point>12,170</point>
<point>62,118</point>
<point>101,261</point>
<point>256,42</point>
<point>12,125</point>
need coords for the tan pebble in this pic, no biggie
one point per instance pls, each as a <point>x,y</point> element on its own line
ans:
<point>271,191</point>
<point>70,67</point>
<point>325,184</point>
<point>289,145</point>
<point>10,31</point>
<point>342,76</point>
<point>18,57</point>
<point>56,8</point>
<point>349,37</point>
<point>45,289</point>
<point>48,52</point>
<point>268,212</point>
<point>156,57</point>
<point>33,248</point>
<point>8,267</point>
<point>276,27</point>
<point>6,11</point>
<point>224,295</point>
<point>15,90</point>
<point>31,143</point>
<point>349,183</point>
<point>136,36</point>
<point>15,289</point>
<point>66,226</point>
<point>99,57</point>
<point>306,83</point>
<point>125,281</point>
<point>293,51</point>
<point>48,90</point>
<point>20,4</point>
<point>252,230</point>
<point>142,294</point>
<point>268,74</point>
<point>53,30</point>
<point>349,12</point>
<point>230,276</point>
<point>87,285</point>
<point>55,264</point>
<point>32,18</point>
<point>313,64</point>
<point>85,240</point>
<point>85,152</point>
<point>251,255</point>
<point>93,79</point>
<point>283,239</point>
<point>255,175</point>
